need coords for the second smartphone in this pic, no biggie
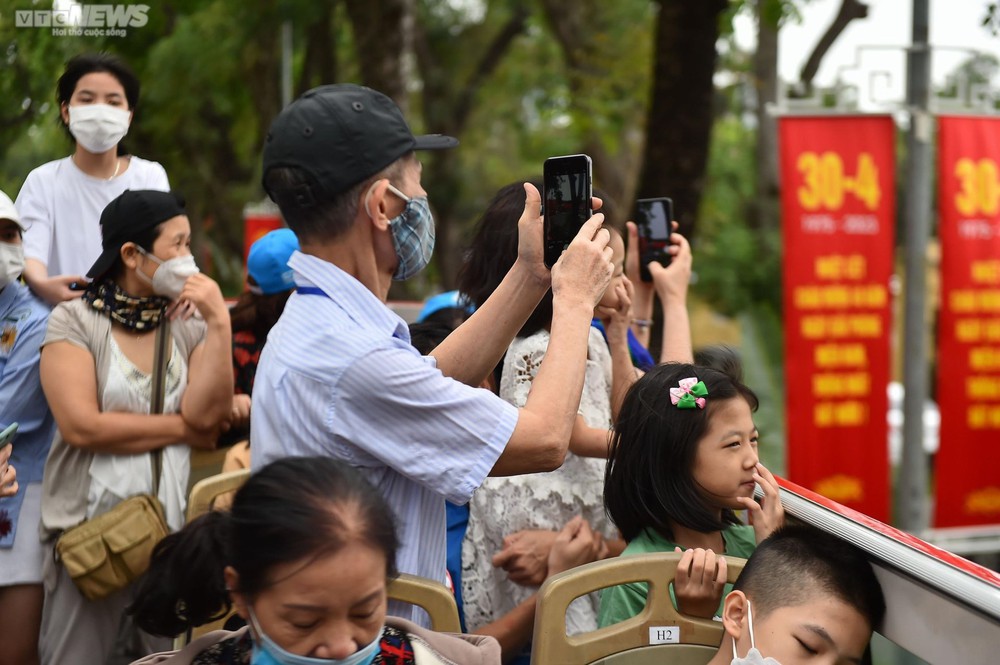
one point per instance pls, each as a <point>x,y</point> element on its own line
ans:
<point>653,218</point>
<point>567,196</point>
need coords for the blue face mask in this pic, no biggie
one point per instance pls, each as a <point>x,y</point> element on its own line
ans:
<point>412,235</point>
<point>266,652</point>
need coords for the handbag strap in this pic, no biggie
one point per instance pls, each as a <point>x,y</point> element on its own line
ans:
<point>161,355</point>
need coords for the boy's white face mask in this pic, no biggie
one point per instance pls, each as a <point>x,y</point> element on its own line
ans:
<point>753,656</point>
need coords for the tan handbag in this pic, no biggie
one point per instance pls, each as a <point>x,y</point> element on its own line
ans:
<point>108,552</point>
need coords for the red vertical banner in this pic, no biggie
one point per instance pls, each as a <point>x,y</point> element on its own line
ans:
<point>838,213</point>
<point>968,369</point>
<point>258,220</point>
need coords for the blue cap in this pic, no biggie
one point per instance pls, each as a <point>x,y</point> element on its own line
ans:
<point>267,262</point>
<point>446,300</point>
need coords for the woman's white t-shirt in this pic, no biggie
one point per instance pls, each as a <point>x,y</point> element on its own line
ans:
<point>61,206</point>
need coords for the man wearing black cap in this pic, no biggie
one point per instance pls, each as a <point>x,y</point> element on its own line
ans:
<point>338,376</point>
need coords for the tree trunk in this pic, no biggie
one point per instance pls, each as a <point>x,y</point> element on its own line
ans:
<point>764,210</point>
<point>381,38</point>
<point>319,64</point>
<point>679,123</point>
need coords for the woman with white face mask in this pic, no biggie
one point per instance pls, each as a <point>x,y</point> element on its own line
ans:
<point>22,328</point>
<point>96,369</point>
<point>61,201</point>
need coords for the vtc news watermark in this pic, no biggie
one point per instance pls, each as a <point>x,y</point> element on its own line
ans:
<point>85,20</point>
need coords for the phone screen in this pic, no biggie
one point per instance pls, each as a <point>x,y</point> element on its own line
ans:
<point>567,197</point>
<point>653,218</point>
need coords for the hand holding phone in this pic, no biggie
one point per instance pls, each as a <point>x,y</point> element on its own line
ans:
<point>653,219</point>
<point>567,196</point>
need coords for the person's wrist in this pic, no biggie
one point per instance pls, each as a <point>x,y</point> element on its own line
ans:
<point>642,305</point>
<point>671,298</point>
<point>534,273</point>
<point>179,428</point>
<point>572,305</point>
<point>215,315</point>
<point>617,335</point>
<point>616,328</point>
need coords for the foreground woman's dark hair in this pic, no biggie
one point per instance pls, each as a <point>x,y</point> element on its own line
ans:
<point>290,510</point>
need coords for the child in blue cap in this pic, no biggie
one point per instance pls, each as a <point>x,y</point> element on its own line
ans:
<point>269,283</point>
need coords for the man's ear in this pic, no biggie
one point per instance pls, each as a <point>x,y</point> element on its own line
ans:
<point>64,113</point>
<point>373,203</point>
<point>233,585</point>
<point>734,614</point>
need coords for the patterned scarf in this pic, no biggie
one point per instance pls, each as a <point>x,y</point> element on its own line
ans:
<point>139,314</point>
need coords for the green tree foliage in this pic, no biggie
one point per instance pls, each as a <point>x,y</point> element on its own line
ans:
<point>976,75</point>
<point>515,80</point>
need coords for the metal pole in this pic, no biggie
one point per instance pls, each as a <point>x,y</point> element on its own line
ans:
<point>911,485</point>
<point>286,63</point>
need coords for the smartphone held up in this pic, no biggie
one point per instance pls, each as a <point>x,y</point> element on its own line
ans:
<point>567,193</point>
<point>653,219</point>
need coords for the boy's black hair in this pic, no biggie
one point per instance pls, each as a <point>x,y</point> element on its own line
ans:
<point>648,481</point>
<point>797,562</point>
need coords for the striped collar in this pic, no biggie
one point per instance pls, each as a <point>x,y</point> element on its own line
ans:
<point>350,295</point>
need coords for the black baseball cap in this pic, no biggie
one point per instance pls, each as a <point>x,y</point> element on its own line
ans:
<point>127,217</point>
<point>338,135</point>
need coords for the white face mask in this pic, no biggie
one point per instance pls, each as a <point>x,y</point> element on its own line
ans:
<point>11,263</point>
<point>98,127</point>
<point>169,278</point>
<point>753,656</point>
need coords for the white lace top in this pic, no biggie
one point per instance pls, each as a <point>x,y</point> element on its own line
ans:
<point>502,506</point>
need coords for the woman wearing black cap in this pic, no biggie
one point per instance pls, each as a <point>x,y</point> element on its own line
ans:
<point>96,366</point>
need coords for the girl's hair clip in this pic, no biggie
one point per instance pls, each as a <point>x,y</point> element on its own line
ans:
<point>691,393</point>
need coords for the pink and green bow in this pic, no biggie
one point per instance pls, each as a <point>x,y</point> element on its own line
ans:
<point>690,394</point>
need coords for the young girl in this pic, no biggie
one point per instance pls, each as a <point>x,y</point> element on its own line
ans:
<point>683,458</point>
<point>61,201</point>
<point>304,557</point>
<point>535,507</point>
